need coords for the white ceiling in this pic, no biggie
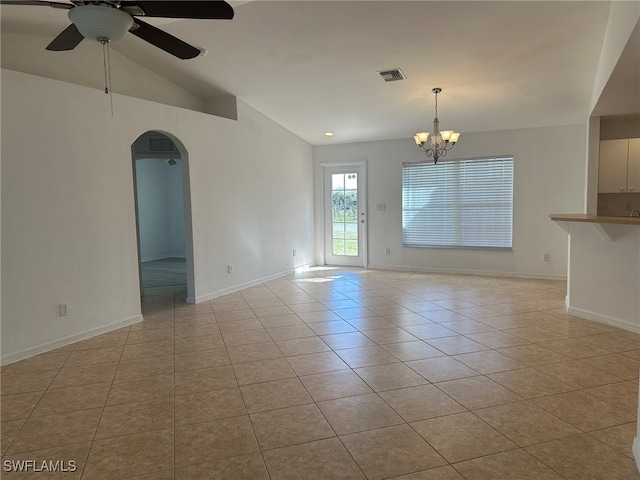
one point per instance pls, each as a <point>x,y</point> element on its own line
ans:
<point>311,65</point>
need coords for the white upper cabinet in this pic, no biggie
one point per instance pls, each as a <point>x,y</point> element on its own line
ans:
<point>633,166</point>
<point>619,167</point>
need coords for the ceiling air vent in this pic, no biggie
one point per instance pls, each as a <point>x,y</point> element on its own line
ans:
<point>392,75</point>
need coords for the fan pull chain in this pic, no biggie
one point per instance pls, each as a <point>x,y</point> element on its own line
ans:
<point>106,57</point>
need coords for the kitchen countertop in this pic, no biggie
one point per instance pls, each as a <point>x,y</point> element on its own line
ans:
<point>584,217</point>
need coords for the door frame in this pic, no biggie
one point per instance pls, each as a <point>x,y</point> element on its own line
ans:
<point>362,193</point>
<point>186,194</point>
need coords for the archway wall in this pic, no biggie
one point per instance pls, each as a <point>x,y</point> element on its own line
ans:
<point>68,218</point>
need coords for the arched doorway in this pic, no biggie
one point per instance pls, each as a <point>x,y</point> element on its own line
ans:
<point>163,213</point>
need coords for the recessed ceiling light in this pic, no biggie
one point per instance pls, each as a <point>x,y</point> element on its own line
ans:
<point>328,134</point>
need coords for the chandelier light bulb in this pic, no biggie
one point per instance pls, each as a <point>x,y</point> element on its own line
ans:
<point>421,137</point>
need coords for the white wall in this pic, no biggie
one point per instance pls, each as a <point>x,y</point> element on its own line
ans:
<point>27,53</point>
<point>604,279</point>
<point>152,209</point>
<point>68,222</point>
<point>160,209</point>
<point>175,208</point>
<point>623,17</point>
<point>548,178</point>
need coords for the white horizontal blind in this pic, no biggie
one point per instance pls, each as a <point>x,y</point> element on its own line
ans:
<point>458,204</point>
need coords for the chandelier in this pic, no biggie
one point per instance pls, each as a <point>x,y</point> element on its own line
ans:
<point>441,141</point>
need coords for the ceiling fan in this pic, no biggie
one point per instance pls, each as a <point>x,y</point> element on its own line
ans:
<point>110,20</point>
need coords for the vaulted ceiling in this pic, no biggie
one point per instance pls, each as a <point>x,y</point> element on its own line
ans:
<point>312,65</point>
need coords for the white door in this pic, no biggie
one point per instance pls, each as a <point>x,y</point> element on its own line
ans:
<point>345,215</point>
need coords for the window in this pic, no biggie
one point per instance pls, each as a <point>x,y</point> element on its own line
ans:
<point>458,204</point>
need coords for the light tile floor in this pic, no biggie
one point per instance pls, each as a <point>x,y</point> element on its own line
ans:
<point>336,374</point>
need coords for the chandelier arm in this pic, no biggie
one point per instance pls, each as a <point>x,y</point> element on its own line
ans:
<point>427,151</point>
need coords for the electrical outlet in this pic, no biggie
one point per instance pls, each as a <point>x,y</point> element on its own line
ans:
<point>387,251</point>
<point>547,257</point>
<point>229,268</point>
<point>64,309</point>
<point>294,252</point>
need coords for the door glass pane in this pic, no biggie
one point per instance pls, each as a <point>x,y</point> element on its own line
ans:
<point>337,181</point>
<point>351,181</point>
<point>351,247</point>
<point>344,213</point>
<point>351,231</point>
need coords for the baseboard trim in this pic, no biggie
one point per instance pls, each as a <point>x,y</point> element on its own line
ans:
<point>598,317</point>
<point>242,286</point>
<point>636,452</point>
<point>64,341</point>
<point>462,271</point>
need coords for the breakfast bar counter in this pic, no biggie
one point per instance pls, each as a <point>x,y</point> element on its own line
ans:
<point>603,272</point>
<point>585,217</point>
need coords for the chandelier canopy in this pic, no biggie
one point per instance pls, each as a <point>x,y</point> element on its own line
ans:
<point>441,141</point>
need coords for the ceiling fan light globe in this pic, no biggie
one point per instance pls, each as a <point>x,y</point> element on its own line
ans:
<point>97,22</point>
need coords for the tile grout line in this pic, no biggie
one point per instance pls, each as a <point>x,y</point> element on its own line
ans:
<point>103,407</point>
<point>244,403</point>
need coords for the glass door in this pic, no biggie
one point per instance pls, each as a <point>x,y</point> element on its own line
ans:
<point>345,222</point>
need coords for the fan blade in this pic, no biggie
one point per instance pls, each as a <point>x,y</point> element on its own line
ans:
<point>207,9</point>
<point>164,40</point>
<point>67,40</point>
<point>42,3</point>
